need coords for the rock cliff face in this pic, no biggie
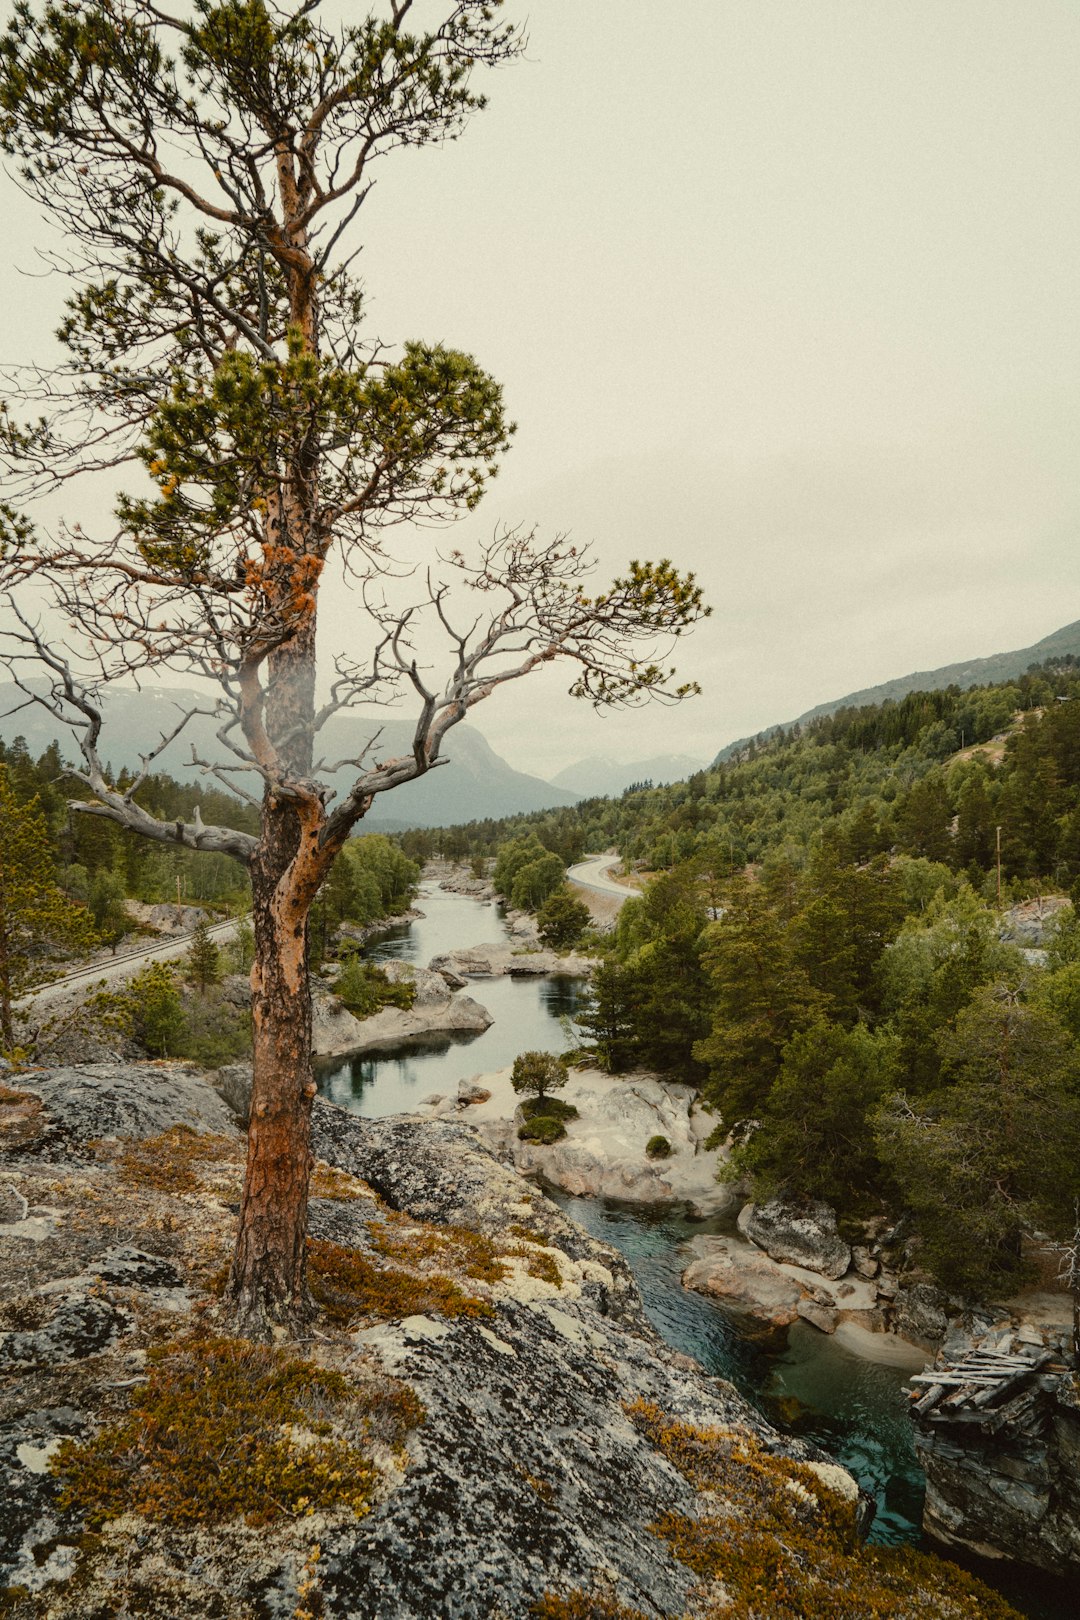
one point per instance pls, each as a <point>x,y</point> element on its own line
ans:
<point>1003,1468</point>
<point>546,1440</point>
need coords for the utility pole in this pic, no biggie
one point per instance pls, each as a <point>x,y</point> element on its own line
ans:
<point>999,867</point>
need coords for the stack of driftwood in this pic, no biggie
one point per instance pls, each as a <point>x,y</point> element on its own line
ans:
<point>993,1387</point>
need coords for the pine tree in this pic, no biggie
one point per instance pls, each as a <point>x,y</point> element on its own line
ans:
<point>203,958</point>
<point>37,920</point>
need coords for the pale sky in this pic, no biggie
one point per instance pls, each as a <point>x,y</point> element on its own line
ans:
<point>784,289</point>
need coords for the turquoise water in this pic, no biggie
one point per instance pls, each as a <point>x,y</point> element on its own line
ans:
<point>853,1408</point>
<point>813,1385</point>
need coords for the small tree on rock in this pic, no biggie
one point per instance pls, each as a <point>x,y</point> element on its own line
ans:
<point>203,958</point>
<point>537,1073</point>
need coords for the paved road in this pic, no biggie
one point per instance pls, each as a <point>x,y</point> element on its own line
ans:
<point>114,968</point>
<point>592,874</point>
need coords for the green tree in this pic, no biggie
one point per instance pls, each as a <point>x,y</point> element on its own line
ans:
<point>761,998</point>
<point>203,958</point>
<point>816,1137</point>
<point>107,906</point>
<point>38,923</point>
<point>562,919</point>
<point>537,1073</point>
<point>535,881</point>
<point>606,1016</point>
<point>205,168</point>
<point>157,1011</point>
<point>994,1152</point>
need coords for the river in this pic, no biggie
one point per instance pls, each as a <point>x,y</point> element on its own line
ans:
<point>814,1384</point>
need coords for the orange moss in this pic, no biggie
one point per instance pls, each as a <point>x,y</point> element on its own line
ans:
<point>20,1118</point>
<point>170,1162</point>
<point>226,1429</point>
<point>329,1182</point>
<point>784,1546</point>
<point>582,1606</point>
<point>350,1286</point>
<point>399,1237</point>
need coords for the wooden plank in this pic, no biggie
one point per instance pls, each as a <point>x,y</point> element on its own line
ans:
<point>956,1378</point>
<point>930,1399</point>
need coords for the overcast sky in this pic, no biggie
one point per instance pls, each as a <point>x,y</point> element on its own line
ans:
<point>784,289</point>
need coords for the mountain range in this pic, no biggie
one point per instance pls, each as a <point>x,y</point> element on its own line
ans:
<point>603,777</point>
<point>475,783</point>
<point>975,672</point>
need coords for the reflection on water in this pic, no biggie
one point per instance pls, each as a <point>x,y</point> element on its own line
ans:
<point>528,1014</point>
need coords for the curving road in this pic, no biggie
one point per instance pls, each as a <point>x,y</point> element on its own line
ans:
<point>592,874</point>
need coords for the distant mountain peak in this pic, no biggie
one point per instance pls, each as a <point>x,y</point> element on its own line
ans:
<point>599,776</point>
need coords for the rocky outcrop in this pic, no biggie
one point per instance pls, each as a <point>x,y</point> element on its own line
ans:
<point>336,1031</point>
<point>492,961</point>
<point>1032,922</point>
<point>774,1293</point>
<point>168,918</point>
<point>360,934</point>
<point>603,1153</point>
<point>801,1234</point>
<point>1003,1462</point>
<point>79,1105</point>
<point>530,1468</point>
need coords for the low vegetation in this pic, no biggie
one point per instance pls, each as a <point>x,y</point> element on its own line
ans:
<point>226,1429</point>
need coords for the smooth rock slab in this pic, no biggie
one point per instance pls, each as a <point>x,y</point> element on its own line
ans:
<point>744,1279</point>
<point>82,1104</point>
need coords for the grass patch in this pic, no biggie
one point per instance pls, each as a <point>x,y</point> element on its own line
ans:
<point>542,1128</point>
<point>329,1182</point>
<point>170,1162</point>
<point>225,1429</point>
<point>398,1237</point>
<point>548,1108</point>
<point>785,1540</point>
<point>350,1286</point>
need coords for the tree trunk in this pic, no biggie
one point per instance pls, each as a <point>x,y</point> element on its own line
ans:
<point>267,1285</point>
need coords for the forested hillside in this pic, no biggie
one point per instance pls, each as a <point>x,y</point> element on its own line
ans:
<point>98,867</point>
<point>923,776</point>
<point>820,947</point>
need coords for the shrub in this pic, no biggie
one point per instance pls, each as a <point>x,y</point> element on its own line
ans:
<point>364,989</point>
<point>157,1012</point>
<point>658,1147</point>
<point>552,1107</point>
<point>542,1128</point>
<point>226,1429</point>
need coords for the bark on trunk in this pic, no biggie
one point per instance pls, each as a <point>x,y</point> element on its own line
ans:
<point>267,1287</point>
